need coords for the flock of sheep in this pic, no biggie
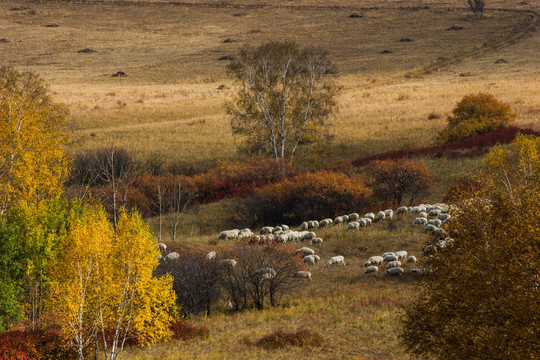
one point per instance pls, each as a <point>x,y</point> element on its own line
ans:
<point>431,217</point>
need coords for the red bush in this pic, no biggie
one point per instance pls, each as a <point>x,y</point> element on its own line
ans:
<point>184,331</point>
<point>33,345</point>
<point>279,339</point>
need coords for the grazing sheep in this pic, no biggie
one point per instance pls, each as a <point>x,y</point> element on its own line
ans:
<point>393,264</point>
<point>388,214</point>
<point>317,258</point>
<point>411,259</point>
<point>423,214</point>
<point>355,225</point>
<point>354,216</point>
<point>316,241</point>
<point>325,222</point>
<point>304,274</point>
<point>377,260</point>
<point>369,221</point>
<point>419,221</point>
<point>309,259</point>
<point>388,253</point>
<point>429,228</point>
<point>436,222</point>
<point>306,251</point>
<point>334,260</point>
<point>267,230</point>
<point>381,216</point>
<point>402,210</point>
<point>160,258</point>
<point>231,263</point>
<point>370,216</point>
<point>401,254</point>
<point>363,222</point>
<point>345,218</point>
<point>313,224</point>
<point>389,258</point>
<point>277,229</point>
<point>371,269</point>
<point>338,220</point>
<point>162,248</point>
<point>211,255</point>
<point>282,238</point>
<point>229,234</point>
<point>172,256</point>
<point>285,227</point>
<point>304,226</point>
<point>309,235</point>
<point>434,212</point>
<point>395,271</point>
<point>444,217</point>
<point>420,271</point>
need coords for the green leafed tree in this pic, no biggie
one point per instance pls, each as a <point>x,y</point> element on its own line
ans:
<point>286,95</point>
<point>33,163</point>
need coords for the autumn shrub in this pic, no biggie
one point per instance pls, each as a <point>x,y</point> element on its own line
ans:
<point>475,114</point>
<point>300,337</point>
<point>181,330</point>
<point>33,345</point>
<point>461,187</point>
<point>314,195</point>
<point>393,180</point>
<point>196,281</point>
<point>231,178</point>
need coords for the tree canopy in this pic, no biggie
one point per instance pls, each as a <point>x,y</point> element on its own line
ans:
<point>33,163</point>
<point>480,297</point>
<point>285,96</point>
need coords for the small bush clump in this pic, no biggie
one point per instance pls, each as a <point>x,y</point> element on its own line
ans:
<point>301,337</point>
<point>475,114</point>
<point>33,345</point>
<point>181,330</point>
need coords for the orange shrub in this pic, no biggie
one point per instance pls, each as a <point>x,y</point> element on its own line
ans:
<point>184,331</point>
<point>315,195</point>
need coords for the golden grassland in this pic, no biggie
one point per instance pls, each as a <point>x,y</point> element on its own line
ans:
<point>169,103</point>
<point>357,315</point>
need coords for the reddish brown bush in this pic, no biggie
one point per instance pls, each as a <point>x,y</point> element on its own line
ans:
<point>183,331</point>
<point>394,180</point>
<point>464,187</point>
<point>309,196</point>
<point>33,345</point>
<point>301,337</point>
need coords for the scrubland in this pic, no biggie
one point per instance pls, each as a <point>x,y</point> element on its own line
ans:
<point>169,104</point>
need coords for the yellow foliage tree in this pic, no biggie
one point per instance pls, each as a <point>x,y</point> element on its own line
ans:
<point>102,286</point>
<point>480,298</point>
<point>33,163</point>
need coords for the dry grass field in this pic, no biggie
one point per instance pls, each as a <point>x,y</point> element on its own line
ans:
<point>169,104</point>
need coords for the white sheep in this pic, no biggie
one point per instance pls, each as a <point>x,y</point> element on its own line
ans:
<point>304,226</point>
<point>231,263</point>
<point>334,260</point>
<point>313,224</point>
<point>434,212</point>
<point>306,251</point>
<point>354,216</point>
<point>316,241</point>
<point>423,214</point>
<point>402,210</point>
<point>162,248</point>
<point>229,234</point>
<point>374,260</point>
<point>362,222</point>
<point>370,216</point>
<point>419,221</point>
<point>393,264</point>
<point>436,222</point>
<point>309,235</point>
<point>284,227</point>
<point>369,221</point>
<point>371,269</point>
<point>429,228</point>
<point>263,271</point>
<point>309,259</point>
<point>355,225</point>
<point>388,214</point>
<point>267,230</point>
<point>444,217</point>
<point>389,258</point>
<point>172,256</point>
<point>304,274</point>
<point>401,254</point>
<point>388,253</point>
<point>411,259</point>
<point>277,229</point>
<point>381,215</point>
<point>211,255</point>
<point>395,271</point>
<point>317,258</point>
<point>338,220</point>
<point>325,222</point>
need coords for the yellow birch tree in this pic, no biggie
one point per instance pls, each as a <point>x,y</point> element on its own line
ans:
<point>33,163</point>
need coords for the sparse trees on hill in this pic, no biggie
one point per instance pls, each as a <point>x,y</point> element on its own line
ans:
<point>286,95</point>
<point>33,163</point>
<point>476,7</point>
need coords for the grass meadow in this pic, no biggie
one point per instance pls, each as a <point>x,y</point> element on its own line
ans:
<point>169,104</point>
